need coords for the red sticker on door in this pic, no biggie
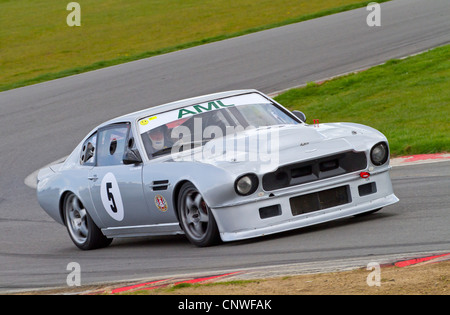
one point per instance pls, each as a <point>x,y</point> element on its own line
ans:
<point>161,203</point>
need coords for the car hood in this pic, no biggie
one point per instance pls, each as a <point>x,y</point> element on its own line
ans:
<point>263,150</point>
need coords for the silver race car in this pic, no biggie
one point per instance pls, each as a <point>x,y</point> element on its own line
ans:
<point>220,167</point>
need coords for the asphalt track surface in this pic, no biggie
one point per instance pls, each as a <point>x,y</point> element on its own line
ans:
<point>42,123</point>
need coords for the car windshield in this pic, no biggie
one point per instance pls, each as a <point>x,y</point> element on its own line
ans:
<point>197,124</point>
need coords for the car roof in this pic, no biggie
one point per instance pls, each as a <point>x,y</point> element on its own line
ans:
<point>175,105</point>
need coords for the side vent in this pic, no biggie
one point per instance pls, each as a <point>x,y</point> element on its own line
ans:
<point>158,185</point>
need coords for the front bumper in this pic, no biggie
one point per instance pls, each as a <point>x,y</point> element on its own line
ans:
<point>276,212</point>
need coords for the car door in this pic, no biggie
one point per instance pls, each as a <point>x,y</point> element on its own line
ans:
<point>116,189</point>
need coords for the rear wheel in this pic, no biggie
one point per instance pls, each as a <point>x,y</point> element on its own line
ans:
<point>196,217</point>
<point>82,229</point>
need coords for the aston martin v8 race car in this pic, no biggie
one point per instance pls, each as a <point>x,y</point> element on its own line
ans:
<point>221,167</point>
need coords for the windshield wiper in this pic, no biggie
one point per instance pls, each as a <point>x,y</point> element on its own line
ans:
<point>162,151</point>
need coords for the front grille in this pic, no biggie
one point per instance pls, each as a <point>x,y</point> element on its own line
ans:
<point>320,200</point>
<point>313,170</point>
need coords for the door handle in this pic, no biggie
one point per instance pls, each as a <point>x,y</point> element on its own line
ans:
<point>93,178</point>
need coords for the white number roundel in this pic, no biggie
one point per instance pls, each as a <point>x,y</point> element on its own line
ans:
<point>111,198</point>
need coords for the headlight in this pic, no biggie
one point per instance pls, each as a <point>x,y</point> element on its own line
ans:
<point>379,153</point>
<point>246,184</point>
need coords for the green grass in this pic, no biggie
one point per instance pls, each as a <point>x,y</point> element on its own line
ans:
<point>184,285</point>
<point>408,100</point>
<point>36,44</point>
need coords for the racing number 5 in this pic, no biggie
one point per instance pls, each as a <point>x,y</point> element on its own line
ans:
<point>111,197</point>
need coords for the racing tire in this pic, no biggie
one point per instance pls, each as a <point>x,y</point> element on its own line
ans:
<point>82,230</point>
<point>196,218</point>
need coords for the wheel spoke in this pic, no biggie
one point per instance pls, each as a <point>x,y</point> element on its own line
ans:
<point>75,204</point>
<point>204,214</point>
<point>189,218</point>
<point>198,228</point>
<point>190,203</point>
<point>83,223</point>
<point>72,217</point>
<point>83,213</point>
<point>83,230</point>
<point>198,201</point>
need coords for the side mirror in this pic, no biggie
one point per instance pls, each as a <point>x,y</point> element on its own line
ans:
<point>300,115</point>
<point>132,156</point>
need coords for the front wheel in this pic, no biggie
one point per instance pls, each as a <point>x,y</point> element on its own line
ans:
<point>82,229</point>
<point>196,217</point>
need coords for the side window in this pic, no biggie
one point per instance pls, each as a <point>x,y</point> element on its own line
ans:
<point>87,156</point>
<point>111,144</point>
<point>131,144</point>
